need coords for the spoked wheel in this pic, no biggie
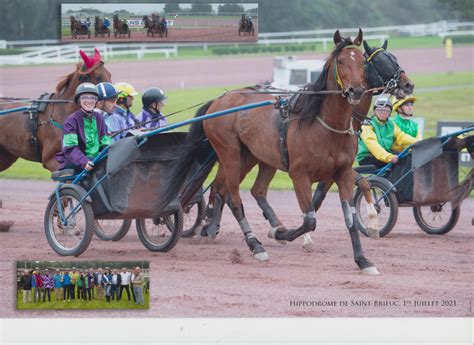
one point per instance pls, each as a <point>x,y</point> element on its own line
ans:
<point>155,233</point>
<point>193,216</point>
<point>387,209</point>
<point>112,229</point>
<point>437,219</point>
<point>74,237</point>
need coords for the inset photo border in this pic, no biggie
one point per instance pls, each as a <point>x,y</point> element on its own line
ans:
<point>159,22</point>
<point>82,285</point>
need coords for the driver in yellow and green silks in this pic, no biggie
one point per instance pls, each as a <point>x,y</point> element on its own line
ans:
<point>382,139</point>
<point>403,119</point>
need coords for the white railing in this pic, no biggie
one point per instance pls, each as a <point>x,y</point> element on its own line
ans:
<point>401,30</point>
<point>456,33</point>
<point>324,40</point>
<point>70,53</point>
<point>49,51</point>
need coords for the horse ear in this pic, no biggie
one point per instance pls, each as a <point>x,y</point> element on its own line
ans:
<point>367,48</point>
<point>385,44</point>
<point>358,40</point>
<point>337,37</point>
<point>96,58</point>
<point>97,54</point>
<point>86,59</point>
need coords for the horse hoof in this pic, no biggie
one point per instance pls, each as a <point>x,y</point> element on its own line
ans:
<point>271,234</point>
<point>309,247</point>
<point>373,233</point>
<point>263,256</point>
<point>370,271</point>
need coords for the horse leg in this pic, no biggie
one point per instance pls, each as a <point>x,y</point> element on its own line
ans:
<point>230,159</point>
<point>259,192</point>
<point>6,159</point>
<point>373,226</point>
<point>219,193</point>
<point>345,182</point>
<point>215,206</point>
<point>302,185</point>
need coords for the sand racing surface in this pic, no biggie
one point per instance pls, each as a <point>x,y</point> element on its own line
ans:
<point>421,275</point>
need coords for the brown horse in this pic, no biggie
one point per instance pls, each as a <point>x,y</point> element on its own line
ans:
<point>100,28</point>
<point>120,27</point>
<point>320,144</point>
<point>15,133</point>
<point>147,25</point>
<point>383,71</point>
<point>78,28</point>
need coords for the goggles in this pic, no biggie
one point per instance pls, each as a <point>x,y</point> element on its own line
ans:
<point>89,98</point>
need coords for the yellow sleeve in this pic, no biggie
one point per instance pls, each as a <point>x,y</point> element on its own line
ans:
<point>418,134</point>
<point>369,137</point>
<point>401,139</point>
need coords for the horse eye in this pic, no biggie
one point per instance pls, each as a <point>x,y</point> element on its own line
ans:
<point>339,62</point>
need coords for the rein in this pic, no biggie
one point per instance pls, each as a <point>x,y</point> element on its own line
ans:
<point>139,124</point>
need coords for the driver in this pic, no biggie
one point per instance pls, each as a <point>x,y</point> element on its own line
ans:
<point>84,132</point>
<point>378,139</point>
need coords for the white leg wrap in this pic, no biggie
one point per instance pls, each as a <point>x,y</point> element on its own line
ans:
<point>308,244</point>
<point>373,226</point>
<point>311,214</point>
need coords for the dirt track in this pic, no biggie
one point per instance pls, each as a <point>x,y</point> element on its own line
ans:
<point>31,81</point>
<point>200,280</point>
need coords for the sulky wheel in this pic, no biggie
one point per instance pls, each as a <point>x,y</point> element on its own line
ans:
<point>193,216</point>
<point>74,237</point>
<point>437,219</point>
<point>156,236</point>
<point>387,209</point>
<point>112,229</point>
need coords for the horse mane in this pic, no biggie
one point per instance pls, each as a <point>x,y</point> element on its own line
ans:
<point>81,70</point>
<point>66,80</point>
<point>308,107</point>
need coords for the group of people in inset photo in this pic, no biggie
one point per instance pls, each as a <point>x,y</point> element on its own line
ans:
<point>46,286</point>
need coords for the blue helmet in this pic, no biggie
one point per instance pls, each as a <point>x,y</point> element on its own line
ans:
<point>106,91</point>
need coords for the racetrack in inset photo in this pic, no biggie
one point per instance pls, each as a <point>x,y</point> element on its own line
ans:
<point>190,30</point>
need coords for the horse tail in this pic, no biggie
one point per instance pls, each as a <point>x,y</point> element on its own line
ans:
<point>196,154</point>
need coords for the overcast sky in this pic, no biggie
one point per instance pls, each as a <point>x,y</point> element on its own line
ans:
<point>136,8</point>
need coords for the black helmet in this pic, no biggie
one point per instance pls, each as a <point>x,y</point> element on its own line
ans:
<point>152,95</point>
<point>85,88</point>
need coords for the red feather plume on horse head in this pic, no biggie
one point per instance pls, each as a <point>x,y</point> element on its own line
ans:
<point>90,61</point>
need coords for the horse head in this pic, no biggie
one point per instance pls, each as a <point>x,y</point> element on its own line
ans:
<point>383,70</point>
<point>91,69</point>
<point>348,67</point>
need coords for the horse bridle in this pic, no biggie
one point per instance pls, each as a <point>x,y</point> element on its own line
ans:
<point>336,76</point>
<point>393,82</point>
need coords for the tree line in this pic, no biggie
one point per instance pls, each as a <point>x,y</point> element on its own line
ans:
<point>33,19</point>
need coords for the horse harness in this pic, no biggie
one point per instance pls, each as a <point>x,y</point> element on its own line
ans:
<point>288,107</point>
<point>38,106</point>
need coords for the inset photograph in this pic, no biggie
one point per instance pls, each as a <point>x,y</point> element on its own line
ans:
<point>83,285</point>
<point>196,22</point>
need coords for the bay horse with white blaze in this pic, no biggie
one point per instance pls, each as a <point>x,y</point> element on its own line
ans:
<point>318,152</point>
<point>383,72</point>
